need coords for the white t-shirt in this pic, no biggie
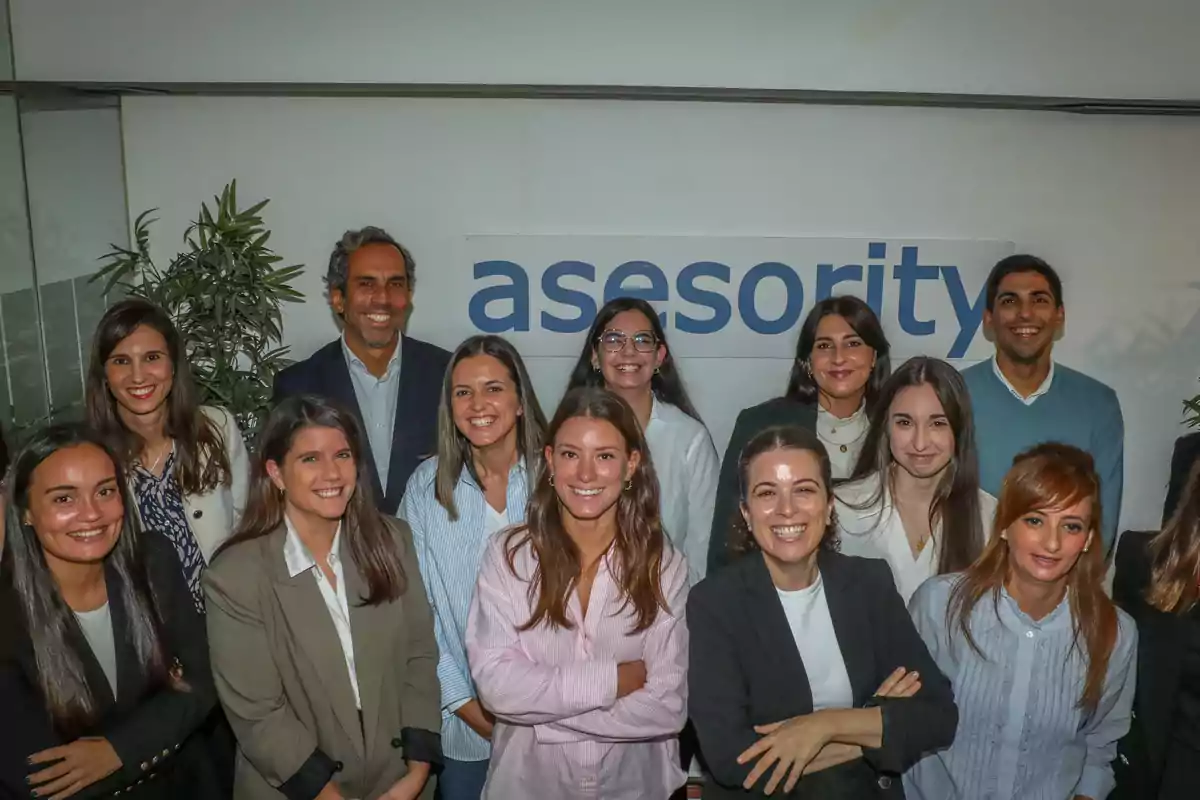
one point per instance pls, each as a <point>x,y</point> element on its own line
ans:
<point>494,521</point>
<point>812,628</point>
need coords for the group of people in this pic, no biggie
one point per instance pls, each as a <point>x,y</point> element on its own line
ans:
<point>892,585</point>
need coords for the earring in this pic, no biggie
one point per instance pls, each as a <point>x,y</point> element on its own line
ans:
<point>1089,547</point>
<point>1004,536</point>
<point>551,478</point>
<point>596,367</point>
<point>629,486</point>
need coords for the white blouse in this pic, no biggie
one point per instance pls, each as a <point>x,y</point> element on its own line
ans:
<point>686,463</point>
<point>877,531</point>
<point>299,559</point>
<point>843,438</point>
<point>807,613</point>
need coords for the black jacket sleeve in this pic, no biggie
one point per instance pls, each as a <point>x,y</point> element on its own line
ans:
<point>158,726</point>
<point>1132,571</point>
<point>912,726</point>
<point>727,501</point>
<point>718,701</point>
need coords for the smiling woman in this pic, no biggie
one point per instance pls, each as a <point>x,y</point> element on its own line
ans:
<point>576,636</point>
<point>104,673</point>
<point>321,635</point>
<point>1040,659</point>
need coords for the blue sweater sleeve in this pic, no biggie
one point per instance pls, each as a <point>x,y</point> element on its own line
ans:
<point>1108,448</point>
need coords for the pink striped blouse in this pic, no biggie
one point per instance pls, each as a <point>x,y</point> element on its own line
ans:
<point>561,732</point>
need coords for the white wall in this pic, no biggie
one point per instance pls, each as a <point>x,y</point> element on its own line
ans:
<point>76,189</point>
<point>1100,48</point>
<point>16,263</point>
<point>1111,201</point>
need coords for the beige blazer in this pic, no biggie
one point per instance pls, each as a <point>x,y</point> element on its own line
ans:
<point>283,681</point>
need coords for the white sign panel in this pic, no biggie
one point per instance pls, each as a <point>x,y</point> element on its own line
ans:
<point>730,297</point>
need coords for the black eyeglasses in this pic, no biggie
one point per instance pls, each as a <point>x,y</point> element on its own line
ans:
<point>614,341</point>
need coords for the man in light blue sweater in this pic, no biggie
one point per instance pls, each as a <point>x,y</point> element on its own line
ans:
<point>1020,397</point>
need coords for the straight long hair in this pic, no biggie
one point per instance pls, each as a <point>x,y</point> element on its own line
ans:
<point>768,440</point>
<point>956,499</point>
<point>1050,475</point>
<point>666,384</point>
<point>201,462</point>
<point>366,532</point>
<point>640,548</point>
<point>454,450</point>
<point>802,386</point>
<point>48,619</point>
<point>1175,554</point>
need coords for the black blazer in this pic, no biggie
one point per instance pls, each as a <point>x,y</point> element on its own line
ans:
<point>745,670</point>
<point>153,729</point>
<point>750,421</point>
<point>1142,753</point>
<point>414,436</point>
<point>1187,453</point>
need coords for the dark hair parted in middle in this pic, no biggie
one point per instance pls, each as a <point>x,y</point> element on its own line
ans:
<point>454,450</point>
<point>1175,554</point>
<point>859,316</point>
<point>667,383</point>
<point>371,543</point>
<point>780,437</point>
<point>956,500</point>
<point>48,619</point>
<point>201,462</point>
<point>640,545</point>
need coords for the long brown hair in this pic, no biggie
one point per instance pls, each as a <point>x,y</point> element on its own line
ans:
<point>47,619</point>
<point>640,548</point>
<point>371,543</point>
<point>454,449</point>
<point>1175,554</point>
<point>1050,475</point>
<point>956,498</point>
<point>201,462</point>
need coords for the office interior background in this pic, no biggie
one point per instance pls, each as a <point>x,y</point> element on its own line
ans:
<point>1068,129</point>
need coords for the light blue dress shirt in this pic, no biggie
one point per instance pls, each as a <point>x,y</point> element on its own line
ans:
<point>377,402</point>
<point>1021,732</point>
<point>450,556</point>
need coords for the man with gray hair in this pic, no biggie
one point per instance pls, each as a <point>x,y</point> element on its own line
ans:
<point>390,381</point>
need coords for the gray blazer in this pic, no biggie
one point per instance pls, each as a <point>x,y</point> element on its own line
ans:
<point>282,679</point>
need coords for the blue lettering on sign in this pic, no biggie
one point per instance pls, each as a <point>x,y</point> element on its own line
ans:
<point>505,306</point>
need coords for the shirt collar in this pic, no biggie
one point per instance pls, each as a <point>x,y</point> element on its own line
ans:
<point>296,554</point>
<point>844,430</point>
<point>357,363</point>
<point>1038,392</point>
<point>1060,617</point>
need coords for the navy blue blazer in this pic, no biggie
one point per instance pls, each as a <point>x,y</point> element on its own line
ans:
<point>414,436</point>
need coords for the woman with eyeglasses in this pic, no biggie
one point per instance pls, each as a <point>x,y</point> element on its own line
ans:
<point>840,366</point>
<point>626,352</point>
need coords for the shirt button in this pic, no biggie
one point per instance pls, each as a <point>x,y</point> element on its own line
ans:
<point>197,514</point>
<point>1029,634</point>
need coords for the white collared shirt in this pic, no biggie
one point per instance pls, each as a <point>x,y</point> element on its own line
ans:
<point>377,398</point>
<point>843,438</point>
<point>686,463</point>
<point>877,531</point>
<point>1038,392</point>
<point>299,560</point>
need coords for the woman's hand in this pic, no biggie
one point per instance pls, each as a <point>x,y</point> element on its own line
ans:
<point>409,787</point>
<point>478,718</point>
<point>832,755</point>
<point>900,683</point>
<point>631,676</point>
<point>788,745</point>
<point>80,764</point>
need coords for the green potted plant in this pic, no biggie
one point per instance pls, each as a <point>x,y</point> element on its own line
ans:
<point>225,293</point>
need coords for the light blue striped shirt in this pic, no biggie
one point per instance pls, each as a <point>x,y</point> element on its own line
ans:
<point>1021,733</point>
<point>450,556</point>
<point>377,399</point>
